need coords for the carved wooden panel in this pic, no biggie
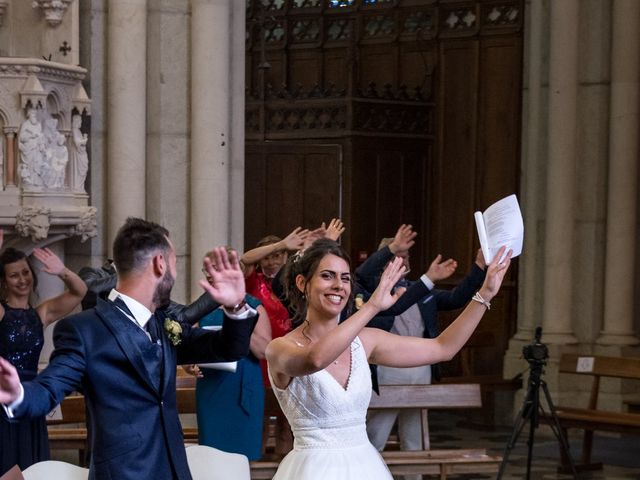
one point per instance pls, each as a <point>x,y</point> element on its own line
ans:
<point>289,185</point>
<point>423,98</point>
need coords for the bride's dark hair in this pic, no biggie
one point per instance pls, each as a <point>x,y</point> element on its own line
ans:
<point>306,263</point>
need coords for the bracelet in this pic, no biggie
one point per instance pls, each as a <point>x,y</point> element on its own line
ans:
<point>478,298</point>
<point>237,308</point>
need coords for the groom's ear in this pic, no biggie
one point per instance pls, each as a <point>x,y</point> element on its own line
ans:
<point>159,264</point>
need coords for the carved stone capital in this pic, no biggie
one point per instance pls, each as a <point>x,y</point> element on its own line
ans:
<point>53,10</point>
<point>33,222</point>
<point>88,224</point>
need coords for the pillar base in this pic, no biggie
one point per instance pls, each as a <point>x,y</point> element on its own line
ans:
<point>621,339</point>
<point>558,338</point>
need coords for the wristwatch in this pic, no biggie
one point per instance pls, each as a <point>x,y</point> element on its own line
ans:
<point>237,308</point>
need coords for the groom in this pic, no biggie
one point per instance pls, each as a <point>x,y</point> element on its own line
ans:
<point>123,353</point>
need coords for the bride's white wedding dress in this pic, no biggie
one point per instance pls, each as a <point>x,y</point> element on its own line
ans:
<point>328,423</point>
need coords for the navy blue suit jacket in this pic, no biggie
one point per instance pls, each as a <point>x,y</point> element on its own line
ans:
<point>136,432</point>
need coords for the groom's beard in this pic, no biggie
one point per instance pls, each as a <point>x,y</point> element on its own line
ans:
<point>162,295</point>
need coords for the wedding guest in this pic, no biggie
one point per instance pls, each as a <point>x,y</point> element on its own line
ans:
<point>25,442</point>
<point>230,398</point>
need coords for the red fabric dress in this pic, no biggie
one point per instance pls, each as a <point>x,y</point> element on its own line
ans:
<point>259,286</point>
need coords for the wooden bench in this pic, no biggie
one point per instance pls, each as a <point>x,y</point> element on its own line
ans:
<point>592,418</point>
<point>186,402</point>
<point>69,431</point>
<point>428,461</point>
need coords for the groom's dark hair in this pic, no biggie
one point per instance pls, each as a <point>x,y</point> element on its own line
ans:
<point>136,241</point>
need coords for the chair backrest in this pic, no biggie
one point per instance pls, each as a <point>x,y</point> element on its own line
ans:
<point>54,470</point>
<point>213,464</point>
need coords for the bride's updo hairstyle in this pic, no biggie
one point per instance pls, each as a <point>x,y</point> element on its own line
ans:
<point>306,263</point>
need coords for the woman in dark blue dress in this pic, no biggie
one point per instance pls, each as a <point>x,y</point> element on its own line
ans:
<point>24,442</point>
<point>230,404</point>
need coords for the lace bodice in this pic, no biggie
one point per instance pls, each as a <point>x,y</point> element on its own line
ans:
<point>322,413</point>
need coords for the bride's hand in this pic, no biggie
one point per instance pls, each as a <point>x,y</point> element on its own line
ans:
<point>382,298</point>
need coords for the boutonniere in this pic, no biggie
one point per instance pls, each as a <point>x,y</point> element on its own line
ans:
<point>174,331</point>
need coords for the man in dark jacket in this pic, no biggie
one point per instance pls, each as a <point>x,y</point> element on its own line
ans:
<point>419,320</point>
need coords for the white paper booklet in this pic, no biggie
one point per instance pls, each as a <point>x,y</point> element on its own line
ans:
<point>500,225</point>
<point>224,366</point>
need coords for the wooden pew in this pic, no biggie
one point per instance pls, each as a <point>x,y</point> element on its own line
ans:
<point>593,418</point>
<point>186,402</point>
<point>69,431</point>
<point>428,461</point>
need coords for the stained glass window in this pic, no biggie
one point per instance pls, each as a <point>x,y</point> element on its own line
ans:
<point>341,3</point>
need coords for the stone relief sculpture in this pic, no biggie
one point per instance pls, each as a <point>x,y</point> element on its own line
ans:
<point>78,154</point>
<point>57,156</point>
<point>32,147</point>
<point>87,227</point>
<point>43,154</point>
<point>33,222</point>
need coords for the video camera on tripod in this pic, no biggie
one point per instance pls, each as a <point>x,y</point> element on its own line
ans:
<point>536,353</point>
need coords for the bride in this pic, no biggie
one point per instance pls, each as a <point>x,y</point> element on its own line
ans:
<point>319,371</point>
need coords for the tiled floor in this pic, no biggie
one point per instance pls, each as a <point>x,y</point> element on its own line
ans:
<point>620,455</point>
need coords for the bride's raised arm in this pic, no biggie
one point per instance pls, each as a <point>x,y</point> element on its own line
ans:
<point>399,351</point>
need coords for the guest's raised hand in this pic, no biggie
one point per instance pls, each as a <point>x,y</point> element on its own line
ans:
<point>439,269</point>
<point>495,274</point>
<point>9,382</point>
<point>335,229</point>
<point>314,235</point>
<point>225,280</point>
<point>50,261</point>
<point>382,298</point>
<point>295,239</point>
<point>403,240</point>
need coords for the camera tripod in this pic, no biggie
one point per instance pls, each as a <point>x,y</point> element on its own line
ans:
<point>531,410</point>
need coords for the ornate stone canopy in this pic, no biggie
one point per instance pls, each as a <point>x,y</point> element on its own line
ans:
<point>42,150</point>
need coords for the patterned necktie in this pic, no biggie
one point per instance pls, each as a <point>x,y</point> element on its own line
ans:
<point>152,328</point>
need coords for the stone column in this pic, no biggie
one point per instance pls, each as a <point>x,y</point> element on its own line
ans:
<point>126,111</point>
<point>10,161</point>
<point>563,89</point>
<point>623,176</point>
<point>210,129</point>
<point>236,196</point>
<point>529,313</point>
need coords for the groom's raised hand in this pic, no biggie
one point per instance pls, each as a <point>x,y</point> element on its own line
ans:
<point>9,382</point>
<point>225,278</point>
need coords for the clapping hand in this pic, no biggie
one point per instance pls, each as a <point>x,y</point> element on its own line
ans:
<point>9,382</point>
<point>295,239</point>
<point>439,270</point>
<point>225,281</point>
<point>382,298</point>
<point>50,261</point>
